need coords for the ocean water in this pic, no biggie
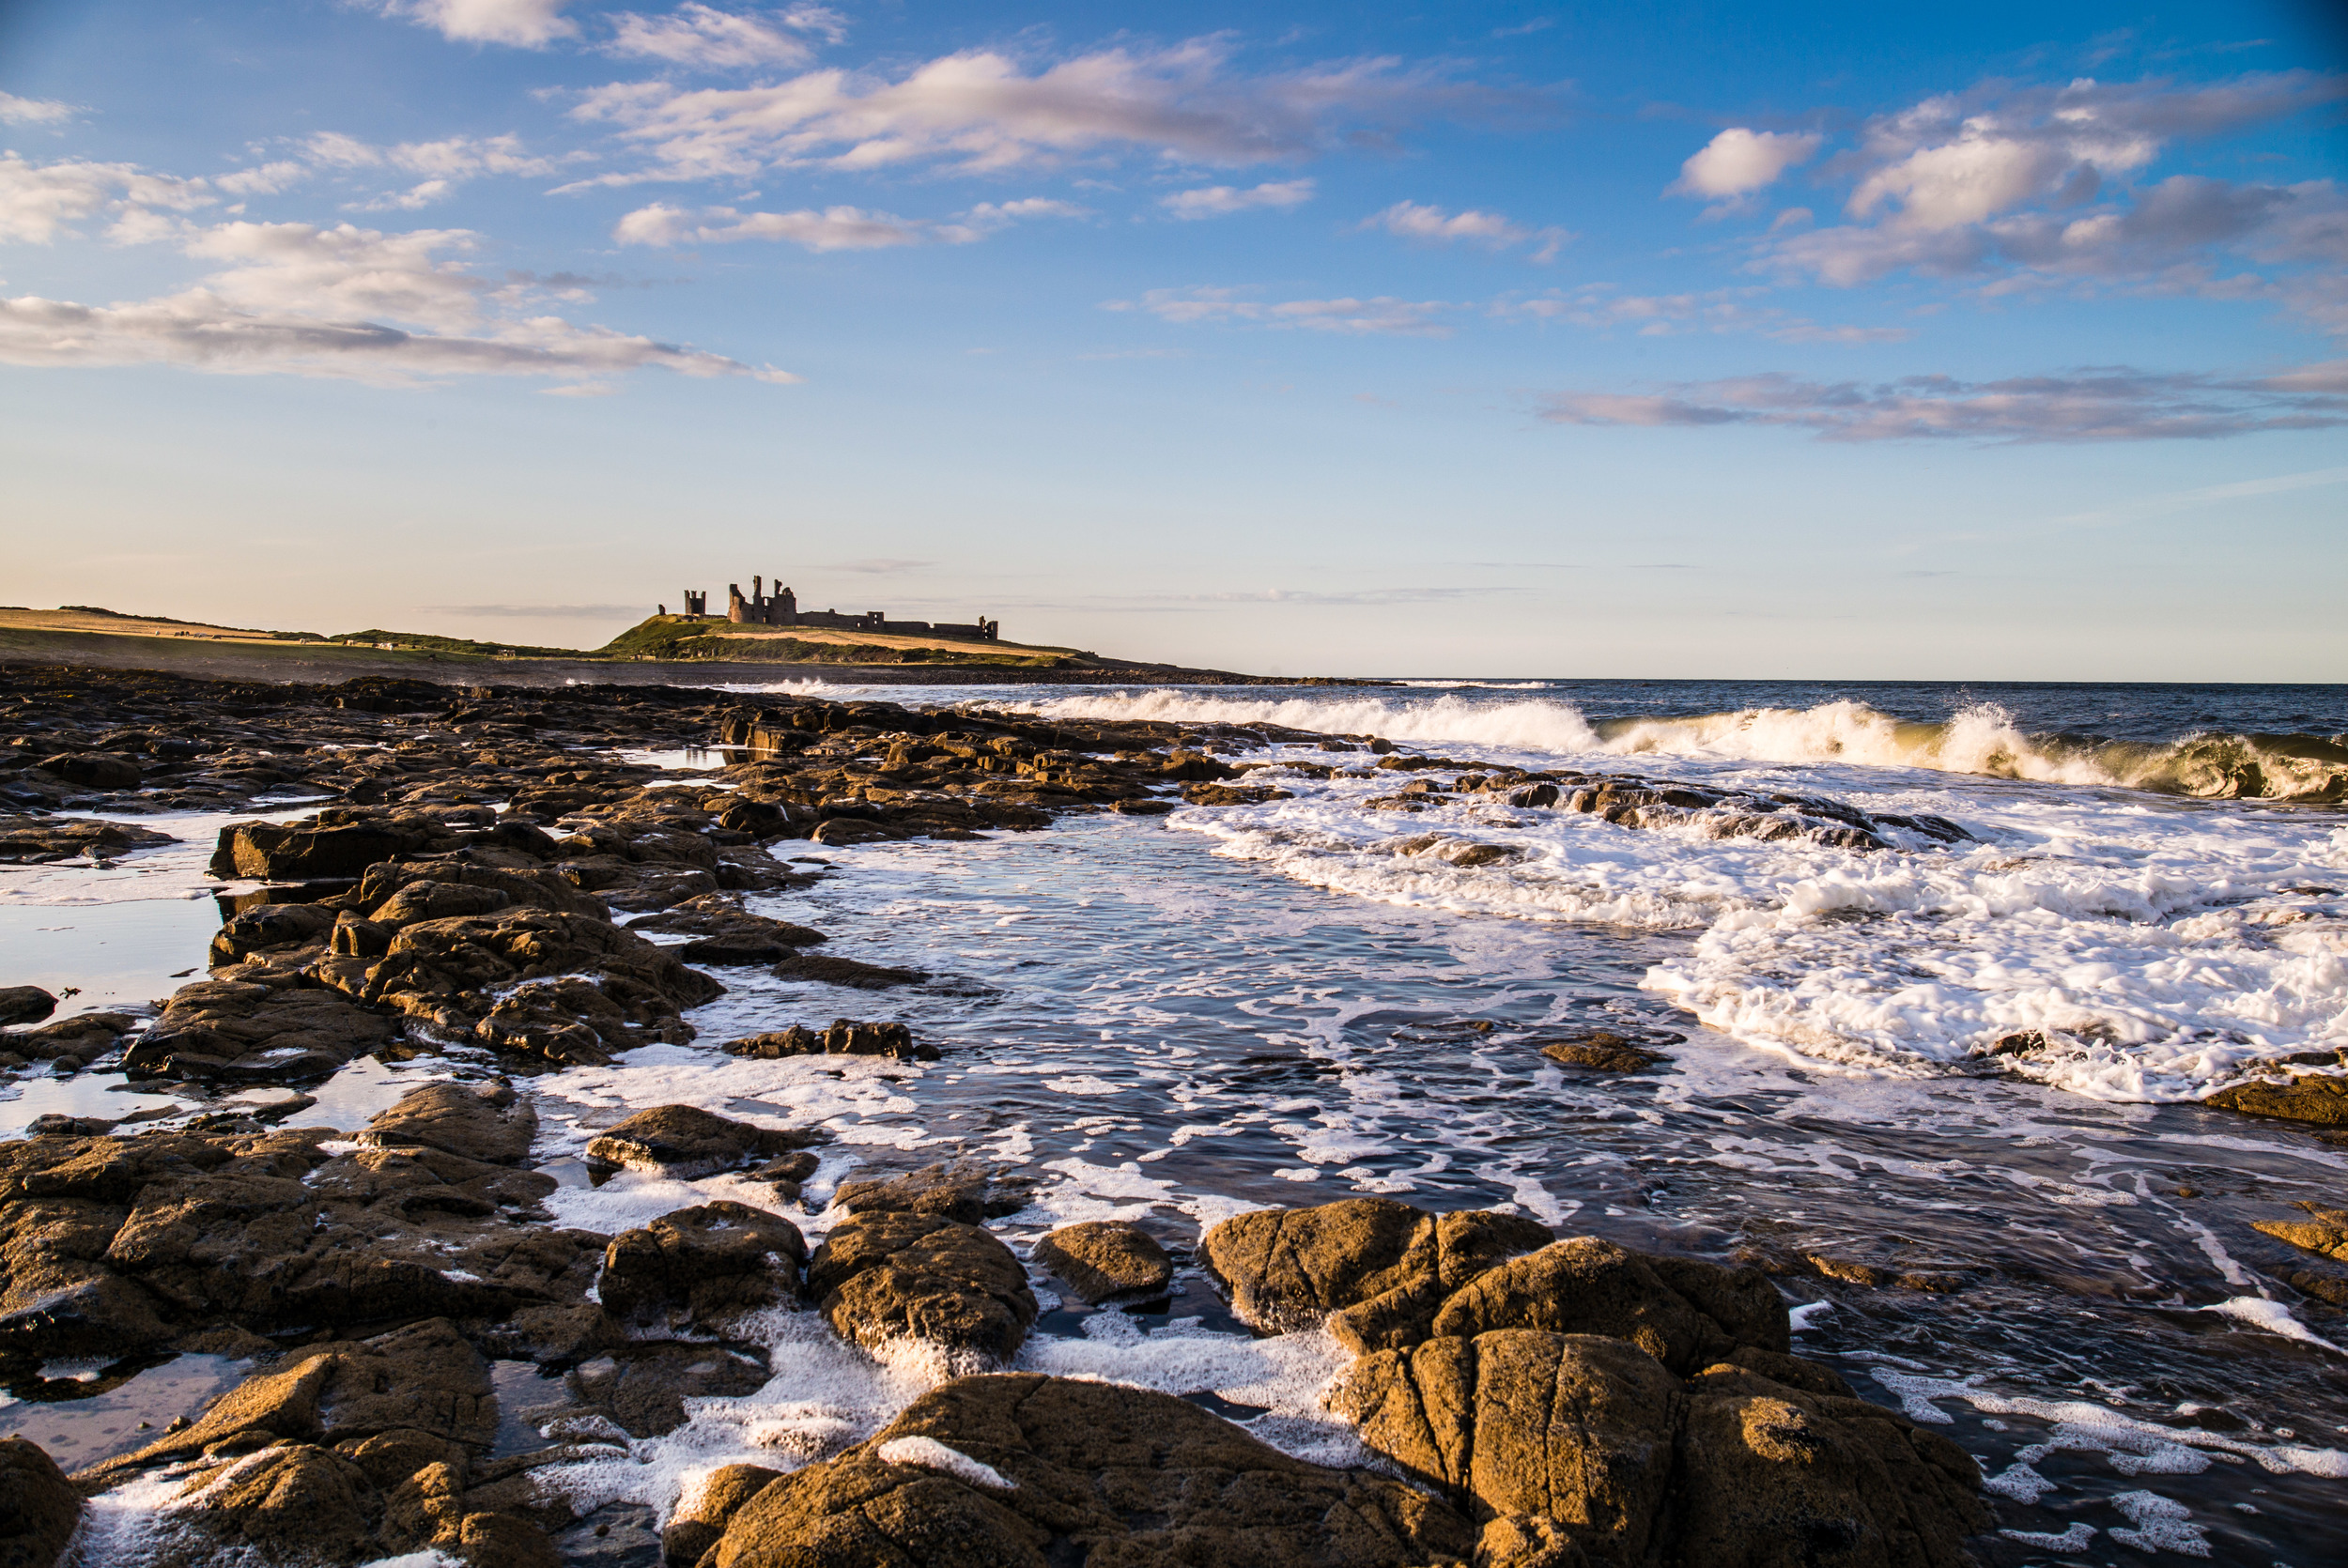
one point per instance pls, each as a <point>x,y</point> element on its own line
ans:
<point>1174,1020</point>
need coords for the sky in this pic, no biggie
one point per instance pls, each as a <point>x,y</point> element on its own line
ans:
<point>1507,340</point>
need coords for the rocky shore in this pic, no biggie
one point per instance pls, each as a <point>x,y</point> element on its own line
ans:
<point>504,879</point>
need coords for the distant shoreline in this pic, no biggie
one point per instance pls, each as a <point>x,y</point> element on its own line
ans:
<point>316,661</point>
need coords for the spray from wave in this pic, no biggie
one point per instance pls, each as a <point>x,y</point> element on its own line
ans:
<point>1979,739</point>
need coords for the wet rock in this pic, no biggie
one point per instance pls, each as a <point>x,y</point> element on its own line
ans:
<point>701,1265</point>
<point>1382,1267</point>
<point>94,770</point>
<point>844,1037</point>
<point>263,926</point>
<point>725,933</point>
<point>36,840</point>
<point>1583,1286</point>
<point>24,1004</point>
<point>1575,1429</point>
<point>1104,1259</point>
<point>1195,767</point>
<point>964,1192</point>
<point>1016,1468</point>
<point>403,893</point>
<point>889,1276</point>
<point>521,980</point>
<point>1603,1051</point>
<point>244,1032</point>
<point>2319,1098</point>
<point>38,1507</point>
<point>830,970</point>
<point>1663,1305</point>
<point>424,1378</point>
<point>84,1036</point>
<point>1769,1476</point>
<point>707,1507</point>
<point>2324,1232</point>
<point>641,1388</point>
<point>687,1143</point>
<point>488,1122</point>
<point>334,843</point>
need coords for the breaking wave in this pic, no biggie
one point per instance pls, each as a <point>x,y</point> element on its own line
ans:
<point>1981,739</point>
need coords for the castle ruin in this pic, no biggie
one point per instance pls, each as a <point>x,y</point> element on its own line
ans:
<point>781,608</point>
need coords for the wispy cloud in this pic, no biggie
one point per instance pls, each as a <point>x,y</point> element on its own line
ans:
<point>2099,405</point>
<point>1433,225</point>
<point>1716,311</point>
<point>300,299</point>
<point>706,39</point>
<point>1202,305</point>
<point>1219,201</point>
<point>524,23</point>
<point>983,110</point>
<point>837,228</point>
<point>34,111</point>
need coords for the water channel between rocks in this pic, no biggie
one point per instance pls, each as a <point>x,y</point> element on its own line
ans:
<point>1162,1034</point>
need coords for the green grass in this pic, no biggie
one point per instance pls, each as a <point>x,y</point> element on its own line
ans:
<point>431,644</point>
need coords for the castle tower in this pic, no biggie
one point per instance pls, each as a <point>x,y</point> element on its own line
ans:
<point>737,609</point>
<point>696,604</point>
<point>787,608</point>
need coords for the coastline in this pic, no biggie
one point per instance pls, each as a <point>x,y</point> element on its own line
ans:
<point>465,822</point>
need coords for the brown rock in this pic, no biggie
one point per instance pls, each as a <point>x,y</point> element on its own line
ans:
<point>1583,1286</point>
<point>702,1515</point>
<point>701,1265</point>
<point>881,1277</point>
<point>1574,1428</point>
<point>2326,1231</point>
<point>1382,1267</point>
<point>687,1143</point>
<point>1773,1477</point>
<point>2318,1098</point>
<point>24,1004</point>
<point>1095,1474</point>
<point>488,1122</point>
<point>1102,1260</point>
<point>964,1192</point>
<point>38,1507</point>
<point>642,1388</point>
<point>235,1031</point>
<point>1604,1051</point>
<point>846,1038</point>
<point>830,970</point>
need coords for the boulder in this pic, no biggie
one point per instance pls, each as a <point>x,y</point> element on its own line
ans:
<point>2324,1232</point>
<point>1382,1267</point>
<point>1101,1260</point>
<point>24,1004</point>
<point>38,1507</point>
<point>264,852</point>
<point>962,1192</point>
<point>446,888</point>
<point>687,1143</point>
<point>725,933</point>
<point>641,1388</point>
<point>488,1122</point>
<point>891,1276</point>
<point>84,1036</point>
<point>262,927</point>
<point>846,1038</point>
<point>2318,1098</point>
<point>244,1032</point>
<point>37,840</point>
<point>1583,1286</point>
<point>700,1266</point>
<point>1573,1428</point>
<point>94,770</point>
<point>831,970</point>
<point>706,1509</point>
<point>1604,1051</point>
<point>1020,1470</point>
<point>1769,1476</point>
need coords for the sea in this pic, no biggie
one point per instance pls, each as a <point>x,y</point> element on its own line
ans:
<point>2048,1256</point>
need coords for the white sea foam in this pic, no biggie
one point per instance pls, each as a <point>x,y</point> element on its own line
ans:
<point>928,1454</point>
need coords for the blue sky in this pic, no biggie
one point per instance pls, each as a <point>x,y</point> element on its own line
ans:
<point>1514,339</point>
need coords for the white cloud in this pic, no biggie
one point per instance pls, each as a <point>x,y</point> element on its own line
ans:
<point>835,228</point>
<point>981,110</point>
<point>706,39</point>
<point>1217,201</point>
<point>2102,404</point>
<point>526,24</point>
<point>2033,187</point>
<point>340,301</point>
<point>1738,162</point>
<point>265,181</point>
<point>1433,225</point>
<point>1716,311</point>
<point>1189,306</point>
<point>446,163</point>
<point>40,201</point>
<point>34,111</point>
